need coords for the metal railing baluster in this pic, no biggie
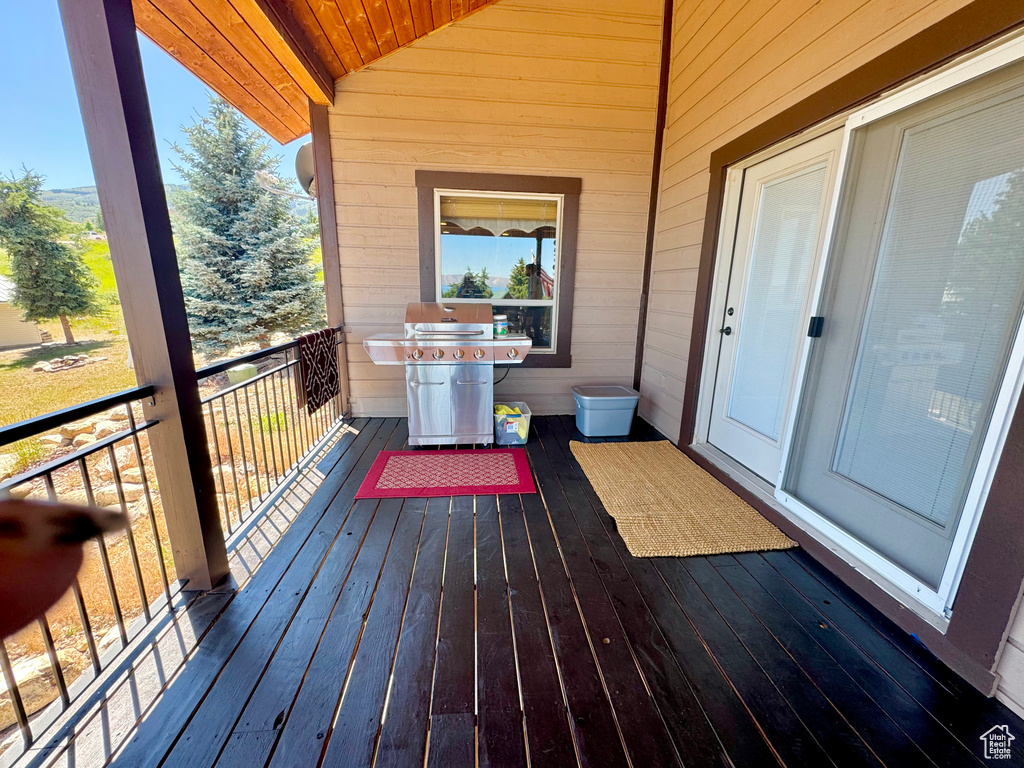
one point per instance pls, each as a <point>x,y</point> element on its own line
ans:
<point>286,390</point>
<point>270,431</point>
<point>108,573</point>
<point>150,510</point>
<point>245,458</point>
<point>133,551</point>
<point>51,654</point>
<point>231,457</point>
<point>282,438</point>
<point>263,443</point>
<point>76,592</point>
<point>20,716</point>
<point>220,470</point>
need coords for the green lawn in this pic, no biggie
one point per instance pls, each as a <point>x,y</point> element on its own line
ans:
<point>28,393</point>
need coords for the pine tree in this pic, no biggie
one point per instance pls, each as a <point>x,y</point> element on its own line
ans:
<point>244,254</point>
<point>519,281</point>
<point>50,279</point>
<point>473,286</point>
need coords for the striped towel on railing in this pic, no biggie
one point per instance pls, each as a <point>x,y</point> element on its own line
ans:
<point>318,366</point>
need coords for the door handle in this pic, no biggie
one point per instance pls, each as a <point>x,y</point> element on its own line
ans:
<point>727,330</point>
<point>470,383</point>
<point>426,383</point>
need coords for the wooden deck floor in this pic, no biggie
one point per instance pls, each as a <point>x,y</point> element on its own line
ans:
<point>517,631</point>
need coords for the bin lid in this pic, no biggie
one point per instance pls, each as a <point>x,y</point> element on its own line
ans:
<point>604,390</point>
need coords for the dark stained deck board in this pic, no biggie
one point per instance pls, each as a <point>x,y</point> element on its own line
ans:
<point>790,737</point>
<point>830,730</point>
<point>643,731</point>
<point>156,735</point>
<point>304,735</point>
<point>548,735</point>
<point>270,702</point>
<point>464,632</point>
<point>403,734</point>
<point>800,640</point>
<point>685,719</point>
<point>452,707</point>
<point>211,725</point>
<point>354,733</point>
<point>916,701</point>
<point>740,735</point>
<point>454,670</point>
<point>595,731</point>
<point>500,740</point>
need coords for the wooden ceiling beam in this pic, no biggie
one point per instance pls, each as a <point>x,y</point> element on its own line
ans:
<point>327,17</point>
<point>359,26</point>
<point>251,65</point>
<point>277,26</point>
<point>158,28</point>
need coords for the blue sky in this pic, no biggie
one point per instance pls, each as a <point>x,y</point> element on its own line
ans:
<point>41,126</point>
<point>497,254</point>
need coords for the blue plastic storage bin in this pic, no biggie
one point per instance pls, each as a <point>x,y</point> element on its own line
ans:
<point>604,411</point>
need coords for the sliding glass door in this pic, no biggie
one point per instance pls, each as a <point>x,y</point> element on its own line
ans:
<point>922,307</point>
<point>903,234</point>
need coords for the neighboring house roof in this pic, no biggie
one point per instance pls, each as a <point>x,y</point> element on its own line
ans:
<point>6,290</point>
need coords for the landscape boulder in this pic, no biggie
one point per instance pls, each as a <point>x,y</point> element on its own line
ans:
<point>106,428</point>
<point>83,440</point>
<point>75,428</point>
<point>8,466</point>
<point>107,495</point>
<point>37,683</point>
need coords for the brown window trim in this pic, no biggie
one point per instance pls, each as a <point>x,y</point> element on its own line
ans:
<point>994,574</point>
<point>428,181</point>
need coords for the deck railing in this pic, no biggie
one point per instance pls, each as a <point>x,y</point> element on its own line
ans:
<point>259,438</point>
<point>100,457</point>
<point>257,430</point>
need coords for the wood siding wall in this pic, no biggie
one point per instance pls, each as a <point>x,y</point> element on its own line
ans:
<point>736,64</point>
<point>14,330</point>
<point>548,87</point>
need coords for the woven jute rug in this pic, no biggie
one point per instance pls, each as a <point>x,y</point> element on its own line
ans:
<point>664,505</point>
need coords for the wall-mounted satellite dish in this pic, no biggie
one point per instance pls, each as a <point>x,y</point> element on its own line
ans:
<point>304,168</point>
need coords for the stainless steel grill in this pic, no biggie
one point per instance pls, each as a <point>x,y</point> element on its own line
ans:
<point>449,352</point>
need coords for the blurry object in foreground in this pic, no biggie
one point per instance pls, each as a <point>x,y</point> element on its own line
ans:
<point>40,553</point>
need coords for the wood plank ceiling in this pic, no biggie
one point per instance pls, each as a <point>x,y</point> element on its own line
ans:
<point>270,58</point>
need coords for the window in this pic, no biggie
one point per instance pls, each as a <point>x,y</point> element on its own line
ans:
<point>508,240</point>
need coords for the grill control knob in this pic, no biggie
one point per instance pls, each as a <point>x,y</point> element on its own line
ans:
<point>458,354</point>
<point>438,354</point>
<point>417,354</point>
<point>513,353</point>
<point>479,354</point>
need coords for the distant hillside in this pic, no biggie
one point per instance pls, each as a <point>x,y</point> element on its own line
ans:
<point>82,204</point>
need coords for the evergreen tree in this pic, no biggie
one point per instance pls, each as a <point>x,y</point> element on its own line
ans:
<point>519,281</point>
<point>245,255</point>
<point>50,279</point>
<point>473,286</point>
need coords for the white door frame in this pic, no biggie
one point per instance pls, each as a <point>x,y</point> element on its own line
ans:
<point>937,600</point>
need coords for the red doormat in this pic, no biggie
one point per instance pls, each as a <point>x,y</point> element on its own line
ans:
<point>417,474</point>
